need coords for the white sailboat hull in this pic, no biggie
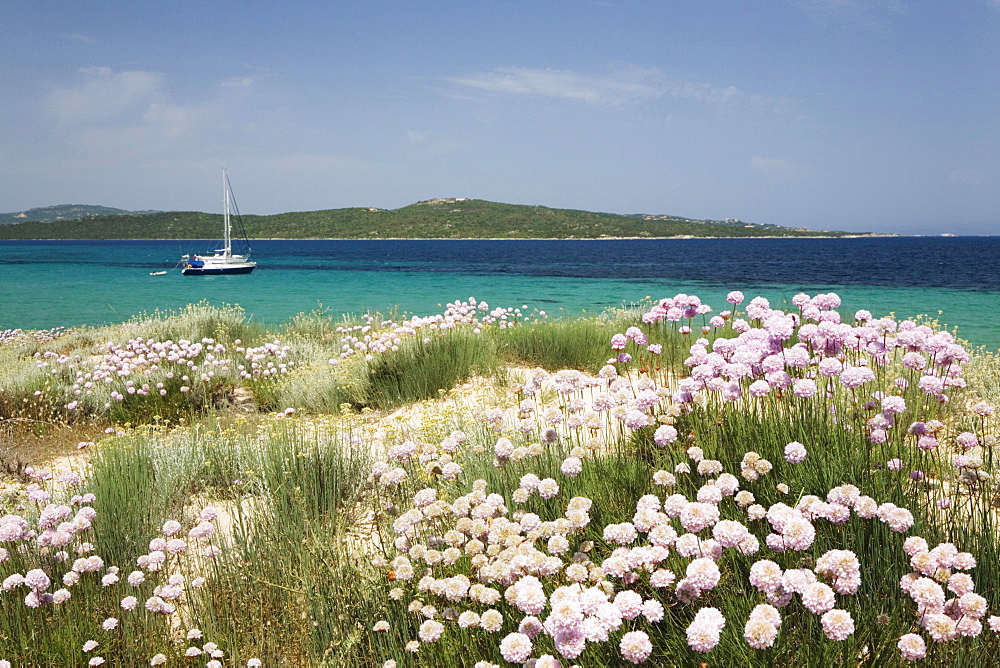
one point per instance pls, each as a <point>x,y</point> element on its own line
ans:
<point>209,265</point>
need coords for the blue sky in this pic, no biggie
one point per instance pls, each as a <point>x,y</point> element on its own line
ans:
<point>863,115</point>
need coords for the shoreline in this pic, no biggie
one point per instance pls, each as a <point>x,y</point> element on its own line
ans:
<point>602,238</point>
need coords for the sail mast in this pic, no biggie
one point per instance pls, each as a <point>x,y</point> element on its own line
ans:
<point>225,214</point>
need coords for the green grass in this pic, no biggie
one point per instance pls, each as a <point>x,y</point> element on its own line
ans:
<point>425,366</point>
<point>573,343</point>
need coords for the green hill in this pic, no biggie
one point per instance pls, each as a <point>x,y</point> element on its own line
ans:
<point>431,219</point>
<point>50,214</point>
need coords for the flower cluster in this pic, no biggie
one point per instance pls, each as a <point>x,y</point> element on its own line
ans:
<point>144,367</point>
<point>57,541</point>
<point>514,556</point>
<point>761,628</point>
<point>941,617</point>
<point>761,360</point>
<point>572,583</point>
<point>13,336</point>
<point>373,337</point>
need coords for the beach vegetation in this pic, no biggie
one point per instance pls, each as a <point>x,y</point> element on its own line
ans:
<point>674,484</point>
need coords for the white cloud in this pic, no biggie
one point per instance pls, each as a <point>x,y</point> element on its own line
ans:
<point>433,143</point>
<point>171,120</point>
<point>105,95</point>
<point>769,165</point>
<point>82,38</point>
<point>616,87</point>
<point>610,88</point>
<point>238,82</point>
<point>723,96</point>
<point>116,116</point>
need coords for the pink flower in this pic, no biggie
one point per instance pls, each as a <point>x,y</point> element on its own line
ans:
<point>170,527</point>
<point>795,453</point>
<point>765,575</point>
<point>548,488</point>
<point>970,603</point>
<point>893,404</point>
<point>664,435</point>
<point>939,626</point>
<point>663,577</point>
<point>704,631</point>
<point>516,647</point>
<point>697,516</point>
<point>818,597</point>
<point>837,624</point>
<point>856,376</point>
<point>804,387</point>
<point>967,440</point>
<point>703,573</point>
<point>759,633</point>
<point>652,610</point>
<point>623,534</point>
<point>830,366</point>
<point>37,579</point>
<point>766,612</point>
<point>635,646</point>
<point>203,529</point>
<point>636,419</point>
<point>729,533</point>
<point>571,467</point>
<point>630,604</point>
<point>927,594</point>
<point>530,596</point>
<point>430,630</point>
<point>982,409</point>
<point>899,519</point>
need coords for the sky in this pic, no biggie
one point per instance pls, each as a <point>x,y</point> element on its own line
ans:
<point>858,115</point>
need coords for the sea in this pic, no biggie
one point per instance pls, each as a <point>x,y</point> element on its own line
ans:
<point>954,280</point>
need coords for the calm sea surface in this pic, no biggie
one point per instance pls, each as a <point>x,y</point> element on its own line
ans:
<point>955,279</point>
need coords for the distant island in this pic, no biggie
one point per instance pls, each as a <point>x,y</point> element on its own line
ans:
<point>442,218</point>
<point>52,214</point>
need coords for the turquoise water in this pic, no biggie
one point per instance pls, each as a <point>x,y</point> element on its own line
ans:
<point>49,284</point>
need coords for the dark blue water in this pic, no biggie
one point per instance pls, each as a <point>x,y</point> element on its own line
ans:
<point>957,279</point>
<point>969,263</point>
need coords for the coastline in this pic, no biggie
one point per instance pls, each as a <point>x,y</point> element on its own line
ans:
<point>601,238</point>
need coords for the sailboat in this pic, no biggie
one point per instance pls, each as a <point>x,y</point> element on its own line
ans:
<point>222,260</point>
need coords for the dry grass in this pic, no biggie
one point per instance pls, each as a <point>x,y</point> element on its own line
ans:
<point>32,443</point>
